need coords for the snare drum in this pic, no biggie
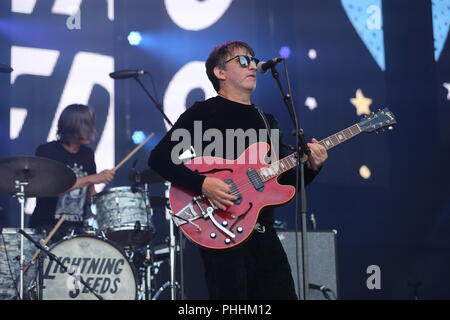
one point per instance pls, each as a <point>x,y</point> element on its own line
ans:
<point>124,216</point>
<point>101,264</point>
<point>9,263</point>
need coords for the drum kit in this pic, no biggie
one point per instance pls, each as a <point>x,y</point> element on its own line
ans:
<point>113,258</point>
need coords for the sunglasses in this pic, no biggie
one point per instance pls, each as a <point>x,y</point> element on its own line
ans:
<point>244,60</point>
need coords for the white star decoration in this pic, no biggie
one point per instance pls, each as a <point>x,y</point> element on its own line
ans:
<point>446,85</point>
<point>361,103</point>
<point>311,103</point>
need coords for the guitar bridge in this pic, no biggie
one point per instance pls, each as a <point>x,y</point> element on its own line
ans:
<point>188,214</point>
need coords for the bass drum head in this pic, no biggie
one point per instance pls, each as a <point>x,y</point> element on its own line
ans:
<point>99,263</point>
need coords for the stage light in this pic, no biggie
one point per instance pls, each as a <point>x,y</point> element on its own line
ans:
<point>134,38</point>
<point>285,52</point>
<point>138,137</point>
<point>312,54</point>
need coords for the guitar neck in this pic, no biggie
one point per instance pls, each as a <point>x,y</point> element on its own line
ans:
<point>291,160</point>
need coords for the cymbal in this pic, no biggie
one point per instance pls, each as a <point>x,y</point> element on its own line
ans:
<point>150,176</point>
<point>158,201</point>
<point>45,177</point>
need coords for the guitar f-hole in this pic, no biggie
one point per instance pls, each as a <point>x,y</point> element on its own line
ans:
<point>214,171</point>
<point>241,216</point>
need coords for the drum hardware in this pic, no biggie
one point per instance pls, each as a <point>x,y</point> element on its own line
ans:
<point>36,285</point>
<point>135,177</point>
<point>55,259</point>
<point>146,271</point>
<point>29,176</point>
<point>40,283</point>
<point>161,254</point>
<point>148,268</point>
<point>103,235</point>
<point>166,285</point>
<point>21,198</point>
<point>70,234</point>
<point>172,246</point>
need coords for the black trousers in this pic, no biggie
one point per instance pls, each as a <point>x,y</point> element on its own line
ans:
<point>257,270</point>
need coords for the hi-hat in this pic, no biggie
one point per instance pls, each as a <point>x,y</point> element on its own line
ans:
<point>45,177</point>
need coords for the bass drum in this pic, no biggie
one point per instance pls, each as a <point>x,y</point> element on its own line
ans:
<point>101,264</point>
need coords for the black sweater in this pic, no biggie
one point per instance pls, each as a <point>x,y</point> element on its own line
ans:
<point>221,114</point>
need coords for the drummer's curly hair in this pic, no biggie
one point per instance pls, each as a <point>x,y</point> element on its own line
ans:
<point>219,55</point>
<point>76,122</point>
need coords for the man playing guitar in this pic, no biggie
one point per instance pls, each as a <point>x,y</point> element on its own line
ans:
<point>258,268</point>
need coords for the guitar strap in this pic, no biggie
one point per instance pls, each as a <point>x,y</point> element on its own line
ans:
<point>273,154</point>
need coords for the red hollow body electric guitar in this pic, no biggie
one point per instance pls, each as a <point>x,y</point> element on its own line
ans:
<point>255,184</point>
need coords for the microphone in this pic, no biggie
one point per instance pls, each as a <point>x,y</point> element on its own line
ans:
<point>263,66</point>
<point>125,74</point>
<point>5,68</point>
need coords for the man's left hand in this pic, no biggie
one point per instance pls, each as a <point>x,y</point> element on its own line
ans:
<point>318,155</point>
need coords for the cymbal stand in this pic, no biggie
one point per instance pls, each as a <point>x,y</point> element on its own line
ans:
<point>172,245</point>
<point>148,262</point>
<point>172,284</point>
<point>20,195</point>
<point>172,249</point>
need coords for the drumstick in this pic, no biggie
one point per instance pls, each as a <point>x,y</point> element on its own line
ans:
<point>133,152</point>
<point>46,240</point>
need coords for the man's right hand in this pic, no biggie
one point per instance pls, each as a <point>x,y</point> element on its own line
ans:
<point>106,176</point>
<point>218,192</point>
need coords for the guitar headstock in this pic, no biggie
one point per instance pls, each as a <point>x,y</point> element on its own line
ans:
<point>378,121</point>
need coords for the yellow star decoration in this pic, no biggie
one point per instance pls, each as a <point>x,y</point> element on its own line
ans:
<point>361,103</point>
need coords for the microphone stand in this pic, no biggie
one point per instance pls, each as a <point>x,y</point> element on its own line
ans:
<point>302,150</point>
<point>58,262</point>
<point>157,105</point>
<point>172,240</point>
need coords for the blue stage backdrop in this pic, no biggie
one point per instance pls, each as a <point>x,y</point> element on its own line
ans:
<point>385,194</point>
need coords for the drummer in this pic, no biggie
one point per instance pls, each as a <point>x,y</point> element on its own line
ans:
<point>76,129</point>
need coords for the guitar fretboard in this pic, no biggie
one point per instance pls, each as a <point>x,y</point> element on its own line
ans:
<point>341,136</point>
<point>291,160</point>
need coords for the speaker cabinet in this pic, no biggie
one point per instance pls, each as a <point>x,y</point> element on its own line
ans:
<point>322,262</point>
